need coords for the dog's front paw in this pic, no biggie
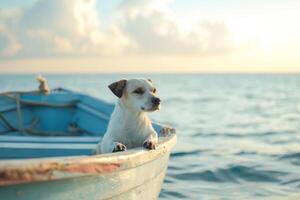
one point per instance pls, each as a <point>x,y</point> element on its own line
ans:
<point>149,144</point>
<point>165,131</point>
<point>119,147</point>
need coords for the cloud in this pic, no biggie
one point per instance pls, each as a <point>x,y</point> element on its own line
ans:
<point>59,28</point>
<point>8,44</point>
<point>73,28</point>
<point>153,28</point>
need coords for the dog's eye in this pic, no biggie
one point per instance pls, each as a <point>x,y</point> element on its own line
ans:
<point>154,90</point>
<point>139,91</point>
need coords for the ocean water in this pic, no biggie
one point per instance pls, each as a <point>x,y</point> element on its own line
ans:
<point>238,135</point>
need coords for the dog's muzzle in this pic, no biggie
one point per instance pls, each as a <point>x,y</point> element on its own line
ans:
<point>155,101</point>
<point>155,105</point>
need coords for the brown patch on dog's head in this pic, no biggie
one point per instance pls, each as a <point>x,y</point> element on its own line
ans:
<point>149,80</point>
<point>118,87</point>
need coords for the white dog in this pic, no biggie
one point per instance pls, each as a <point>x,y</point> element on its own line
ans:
<point>129,125</point>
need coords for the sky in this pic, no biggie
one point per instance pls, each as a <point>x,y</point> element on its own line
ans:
<point>156,36</point>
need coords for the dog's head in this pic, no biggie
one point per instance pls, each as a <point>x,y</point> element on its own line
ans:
<point>136,94</point>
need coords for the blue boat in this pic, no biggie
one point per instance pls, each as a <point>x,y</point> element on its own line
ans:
<point>46,143</point>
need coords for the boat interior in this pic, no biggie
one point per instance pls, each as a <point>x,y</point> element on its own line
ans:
<point>64,123</point>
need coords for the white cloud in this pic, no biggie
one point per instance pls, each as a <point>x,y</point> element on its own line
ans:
<point>52,42</point>
<point>153,28</point>
<point>69,28</point>
<point>8,44</point>
<point>60,28</point>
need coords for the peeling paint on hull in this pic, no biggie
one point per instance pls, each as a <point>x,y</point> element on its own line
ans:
<point>45,172</point>
<point>135,174</point>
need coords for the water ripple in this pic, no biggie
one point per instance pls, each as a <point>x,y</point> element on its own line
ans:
<point>172,194</point>
<point>242,135</point>
<point>293,158</point>
<point>186,153</point>
<point>233,174</point>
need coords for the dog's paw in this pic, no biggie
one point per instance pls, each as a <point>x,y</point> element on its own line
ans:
<point>167,131</point>
<point>149,144</point>
<point>119,147</point>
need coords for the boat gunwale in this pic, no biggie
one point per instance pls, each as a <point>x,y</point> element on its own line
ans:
<point>21,171</point>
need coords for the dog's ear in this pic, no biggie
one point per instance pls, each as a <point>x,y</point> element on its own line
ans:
<point>118,87</point>
<point>149,80</point>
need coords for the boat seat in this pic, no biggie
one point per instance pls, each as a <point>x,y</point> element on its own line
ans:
<point>13,146</point>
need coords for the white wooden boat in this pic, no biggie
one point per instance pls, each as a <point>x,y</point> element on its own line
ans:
<point>46,144</point>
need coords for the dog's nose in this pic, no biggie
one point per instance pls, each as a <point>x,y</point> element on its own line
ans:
<point>155,101</point>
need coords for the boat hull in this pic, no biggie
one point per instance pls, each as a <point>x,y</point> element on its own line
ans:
<point>141,182</point>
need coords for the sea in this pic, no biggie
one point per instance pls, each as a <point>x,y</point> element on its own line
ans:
<point>238,135</point>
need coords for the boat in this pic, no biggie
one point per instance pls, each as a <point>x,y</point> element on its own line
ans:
<point>46,143</point>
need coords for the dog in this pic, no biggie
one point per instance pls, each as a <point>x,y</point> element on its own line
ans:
<point>129,126</point>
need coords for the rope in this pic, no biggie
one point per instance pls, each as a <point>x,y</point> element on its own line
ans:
<point>45,133</point>
<point>32,92</point>
<point>30,131</point>
<point>56,105</point>
<point>19,113</point>
<point>6,122</point>
<point>35,103</point>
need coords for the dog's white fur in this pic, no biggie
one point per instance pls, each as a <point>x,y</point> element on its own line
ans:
<point>129,125</point>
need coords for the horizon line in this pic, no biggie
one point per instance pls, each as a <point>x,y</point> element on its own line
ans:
<point>157,73</point>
